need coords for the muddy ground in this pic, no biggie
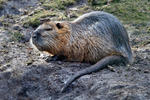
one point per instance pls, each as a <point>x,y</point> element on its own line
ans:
<point>26,75</point>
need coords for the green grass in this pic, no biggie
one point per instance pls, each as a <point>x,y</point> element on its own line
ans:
<point>34,20</point>
<point>52,8</point>
<point>58,4</point>
<point>1,3</point>
<point>128,10</point>
<point>101,2</point>
<point>16,36</point>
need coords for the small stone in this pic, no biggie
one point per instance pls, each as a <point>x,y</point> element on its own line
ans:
<point>16,27</point>
<point>146,71</point>
<point>29,62</point>
<point>111,68</point>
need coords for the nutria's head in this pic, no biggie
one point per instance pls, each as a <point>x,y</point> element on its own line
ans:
<point>51,36</point>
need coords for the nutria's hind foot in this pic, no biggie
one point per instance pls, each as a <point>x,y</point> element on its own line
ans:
<point>96,67</point>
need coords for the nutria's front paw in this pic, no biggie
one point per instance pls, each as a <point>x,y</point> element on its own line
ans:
<point>55,58</point>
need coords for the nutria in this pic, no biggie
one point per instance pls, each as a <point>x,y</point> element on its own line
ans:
<point>96,37</point>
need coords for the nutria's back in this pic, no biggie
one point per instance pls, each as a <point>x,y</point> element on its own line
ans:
<point>101,34</point>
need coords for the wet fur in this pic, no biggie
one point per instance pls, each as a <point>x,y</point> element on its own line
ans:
<point>96,37</point>
<point>90,38</point>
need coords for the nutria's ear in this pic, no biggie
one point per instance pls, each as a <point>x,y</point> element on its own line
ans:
<point>62,28</point>
<point>59,25</point>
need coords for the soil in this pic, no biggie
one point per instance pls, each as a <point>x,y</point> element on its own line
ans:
<point>26,75</point>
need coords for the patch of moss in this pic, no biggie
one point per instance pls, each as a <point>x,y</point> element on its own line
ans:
<point>97,2</point>
<point>1,3</point>
<point>34,20</point>
<point>58,4</point>
<point>52,8</point>
<point>128,10</point>
<point>16,36</point>
<point>101,2</point>
<point>42,1</point>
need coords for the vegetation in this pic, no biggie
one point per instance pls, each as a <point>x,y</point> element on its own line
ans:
<point>57,4</point>
<point>34,19</point>
<point>16,36</point>
<point>101,2</point>
<point>1,3</point>
<point>130,11</point>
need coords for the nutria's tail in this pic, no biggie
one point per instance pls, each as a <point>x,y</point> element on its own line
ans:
<point>96,67</point>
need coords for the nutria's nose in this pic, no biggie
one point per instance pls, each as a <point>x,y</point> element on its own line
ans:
<point>35,34</point>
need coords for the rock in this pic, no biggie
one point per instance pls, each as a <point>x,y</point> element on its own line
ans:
<point>17,27</point>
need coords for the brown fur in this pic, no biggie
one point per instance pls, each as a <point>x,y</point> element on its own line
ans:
<point>79,50</point>
<point>78,43</point>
